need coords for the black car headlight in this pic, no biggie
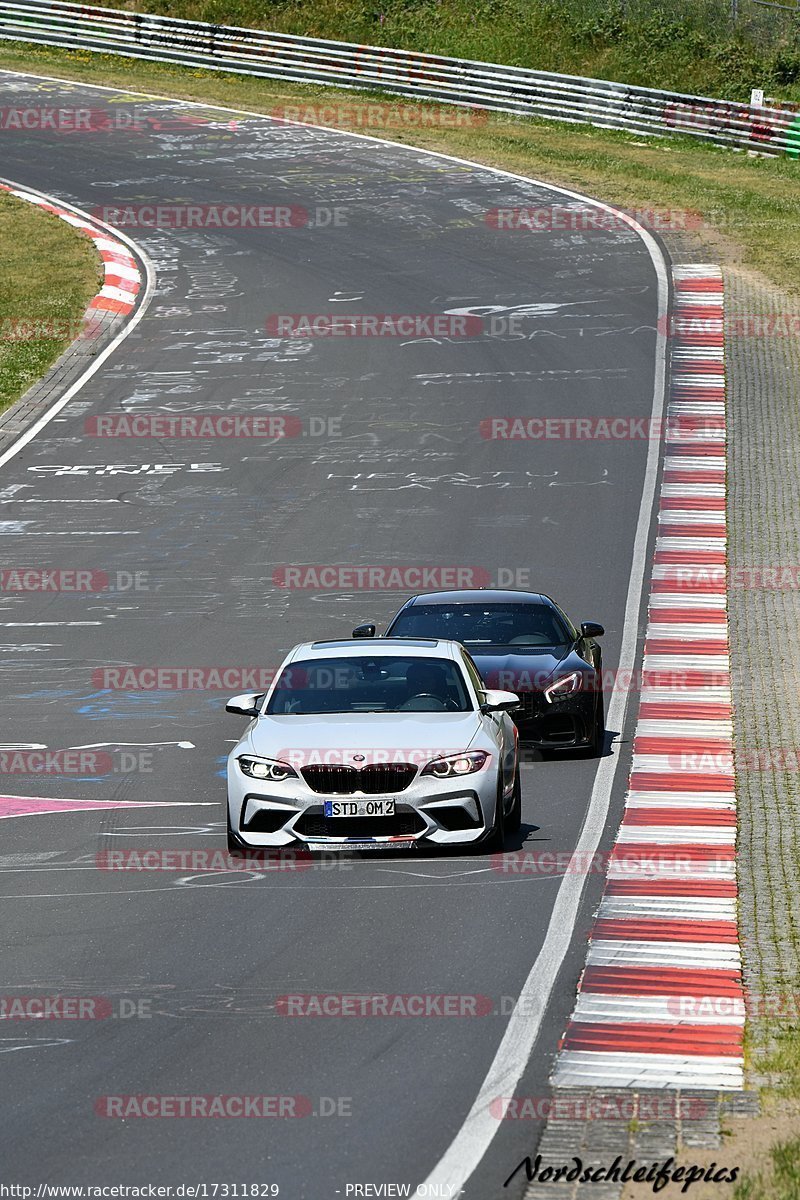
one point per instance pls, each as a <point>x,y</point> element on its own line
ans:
<point>456,764</point>
<point>567,685</point>
<point>265,768</point>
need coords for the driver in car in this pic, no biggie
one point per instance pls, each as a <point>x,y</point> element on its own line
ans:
<point>427,687</point>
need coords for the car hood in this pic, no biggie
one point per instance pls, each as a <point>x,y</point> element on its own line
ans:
<point>393,735</point>
<point>523,672</point>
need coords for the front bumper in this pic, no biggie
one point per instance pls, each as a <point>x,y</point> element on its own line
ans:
<point>565,724</point>
<point>439,811</point>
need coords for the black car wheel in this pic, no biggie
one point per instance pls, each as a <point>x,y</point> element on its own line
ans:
<point>598,742</point>
<point>514,817</point>
<point>496,840</point>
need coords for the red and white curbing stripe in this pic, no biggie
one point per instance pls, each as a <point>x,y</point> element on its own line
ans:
<point>661,1003</point>
<point>123,279</point>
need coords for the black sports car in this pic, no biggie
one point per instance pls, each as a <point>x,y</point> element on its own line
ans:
<point>521,642</point>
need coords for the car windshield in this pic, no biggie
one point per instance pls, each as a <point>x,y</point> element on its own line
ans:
<point>531,624</point>
<point>374,683</point>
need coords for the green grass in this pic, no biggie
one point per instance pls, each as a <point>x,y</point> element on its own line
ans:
<point>781,1178</point>
<point>682,45</point>
<point>784,1059</point>
<point>49,273</point>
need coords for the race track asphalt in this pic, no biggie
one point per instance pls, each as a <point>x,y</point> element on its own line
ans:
<point>393,471</point>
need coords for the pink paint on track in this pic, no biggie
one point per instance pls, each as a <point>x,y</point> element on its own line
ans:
<point>28,806</point>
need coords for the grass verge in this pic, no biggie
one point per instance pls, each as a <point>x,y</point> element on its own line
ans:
<point>777,1176</point>
<point>781,1178</point>
<point>50,272</point>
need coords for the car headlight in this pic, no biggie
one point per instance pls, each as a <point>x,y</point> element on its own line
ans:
<point>563,687</point>
<point>456,764</point>
<point>265,768</point>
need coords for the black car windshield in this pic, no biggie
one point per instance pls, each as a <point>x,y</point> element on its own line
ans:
<point>531,624</point>
<point>374,683</point>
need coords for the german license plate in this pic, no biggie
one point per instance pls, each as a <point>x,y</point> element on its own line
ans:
<point>359,808</point>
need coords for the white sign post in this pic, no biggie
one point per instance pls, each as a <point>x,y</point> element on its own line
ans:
<point>756,101</point>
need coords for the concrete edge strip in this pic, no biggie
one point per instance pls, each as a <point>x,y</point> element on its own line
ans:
<point>128,286</point>
<point>661,1002</point>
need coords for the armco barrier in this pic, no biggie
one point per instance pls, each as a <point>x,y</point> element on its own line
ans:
<point>771,131</point>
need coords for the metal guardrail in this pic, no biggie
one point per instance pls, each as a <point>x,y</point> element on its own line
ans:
<point>473,84</point>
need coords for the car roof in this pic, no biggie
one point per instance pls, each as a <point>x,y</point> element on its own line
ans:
<point>479,596</point>
<point>372,647</point>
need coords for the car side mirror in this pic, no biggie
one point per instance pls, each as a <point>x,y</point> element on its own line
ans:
<point>362,631</point>
<point>246,705</point>
<point>495,701</point>
<point>590,629</point>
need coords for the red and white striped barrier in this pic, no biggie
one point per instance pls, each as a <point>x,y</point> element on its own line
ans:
<point>660,1002</point>
<point>122,281</point>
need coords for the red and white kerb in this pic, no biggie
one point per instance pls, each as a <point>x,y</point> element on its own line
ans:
<point>661,1003</point>
<point>122,275</point>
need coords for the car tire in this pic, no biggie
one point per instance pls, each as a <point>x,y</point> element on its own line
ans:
<point>496,840</point>
<point>514,817</point>
<point>598,742</point>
